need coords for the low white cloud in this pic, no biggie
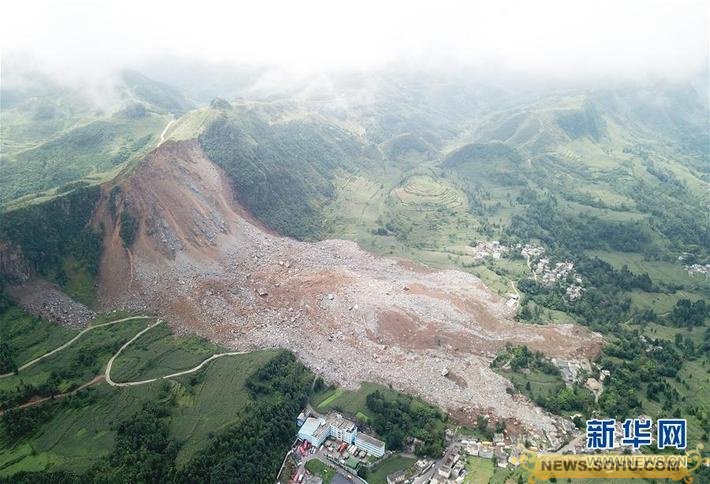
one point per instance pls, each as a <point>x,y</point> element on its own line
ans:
<point>561,38</point>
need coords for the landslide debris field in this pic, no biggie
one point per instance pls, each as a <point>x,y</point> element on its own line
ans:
<point>205,265</point>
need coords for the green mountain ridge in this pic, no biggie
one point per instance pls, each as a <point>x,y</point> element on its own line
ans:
<point>612,180</point>
<point>54,135</point>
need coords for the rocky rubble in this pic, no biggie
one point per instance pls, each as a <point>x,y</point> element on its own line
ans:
<point>47,301</point>
<point>349,315</point>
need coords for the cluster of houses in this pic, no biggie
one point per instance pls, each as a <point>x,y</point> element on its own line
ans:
<point>492,248</point>
<point>703,269</point>
<point>453,466</point>
<point>531,251</point>
<point>551,274</point>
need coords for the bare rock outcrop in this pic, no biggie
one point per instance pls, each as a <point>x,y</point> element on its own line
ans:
<point>14,268</point>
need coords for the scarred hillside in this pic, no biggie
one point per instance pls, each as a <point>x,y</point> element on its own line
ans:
<point>204,264</point>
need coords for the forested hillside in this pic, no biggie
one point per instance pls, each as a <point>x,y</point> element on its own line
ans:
<point>57,240</point>
<point>283,172</point>
<point>575,205</point>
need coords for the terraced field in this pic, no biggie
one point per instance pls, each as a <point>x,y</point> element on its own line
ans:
<point>205,402</point>
<point>159,352</point>
<point>426,193</point>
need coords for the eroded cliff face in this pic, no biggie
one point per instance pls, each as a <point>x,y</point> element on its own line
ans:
<point>203,263</point>
<point>40,298</point>
<point>14,269</point>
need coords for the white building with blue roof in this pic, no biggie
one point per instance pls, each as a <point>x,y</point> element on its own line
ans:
<point>317,429</point>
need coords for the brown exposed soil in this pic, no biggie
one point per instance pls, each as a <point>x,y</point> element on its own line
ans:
<point>206,266</point>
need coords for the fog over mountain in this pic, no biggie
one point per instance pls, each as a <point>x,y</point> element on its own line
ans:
<point>455,228</point>
<point>547,39</point>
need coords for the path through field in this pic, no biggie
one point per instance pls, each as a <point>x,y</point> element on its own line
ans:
<point>71,341</point>
<point>106,376</point>
<point>162,135</point>
<point>151,380</point>
<point>37,401</point>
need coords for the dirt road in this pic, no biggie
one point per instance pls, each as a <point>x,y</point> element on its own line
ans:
<point>162,135</point>
<point>37,401</point>
<point>71,341</point>
<point>107,374</point>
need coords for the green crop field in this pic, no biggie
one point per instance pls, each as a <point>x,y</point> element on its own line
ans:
<point>81,361</point>
<point>28,338</point>
<point>158,352</point>
<point>540,383</point>
<point>213,400</point>
<point>191,125</point>
<point>320,469</point>
<point>349,402</point>
<point>80,429</point>
<point>423,192</point>
<point>668,272</point>
<point>392,464</point>
<point>478,470</point>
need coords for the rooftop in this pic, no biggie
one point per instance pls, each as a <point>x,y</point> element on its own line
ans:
<point>370,440</point>
<point>339,422</point>
<point>310,425</point>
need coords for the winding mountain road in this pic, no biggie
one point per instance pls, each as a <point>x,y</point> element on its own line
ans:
<point>106,376</point>
<point>165,377</point>
<point>165,131</point>
<point>71,341</point>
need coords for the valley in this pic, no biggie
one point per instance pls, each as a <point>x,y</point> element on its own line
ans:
<point>325,301</point>
<point>519,258</point>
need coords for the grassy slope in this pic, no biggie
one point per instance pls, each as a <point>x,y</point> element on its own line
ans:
<point>159,352</point>
<point>75,438</point>
<point>479,470</point>
<point>282,165</point>
<point>55,135</point>
<point>30,337</point>
<point>352,403</point>
<point>92,153</point>
<point>320,469</point>
<point>96,347</point>
<point>387,467</point>
<point>81,430</point>
<point>434,228</point>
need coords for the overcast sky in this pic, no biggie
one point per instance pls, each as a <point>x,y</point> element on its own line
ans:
<point>557,37</point>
